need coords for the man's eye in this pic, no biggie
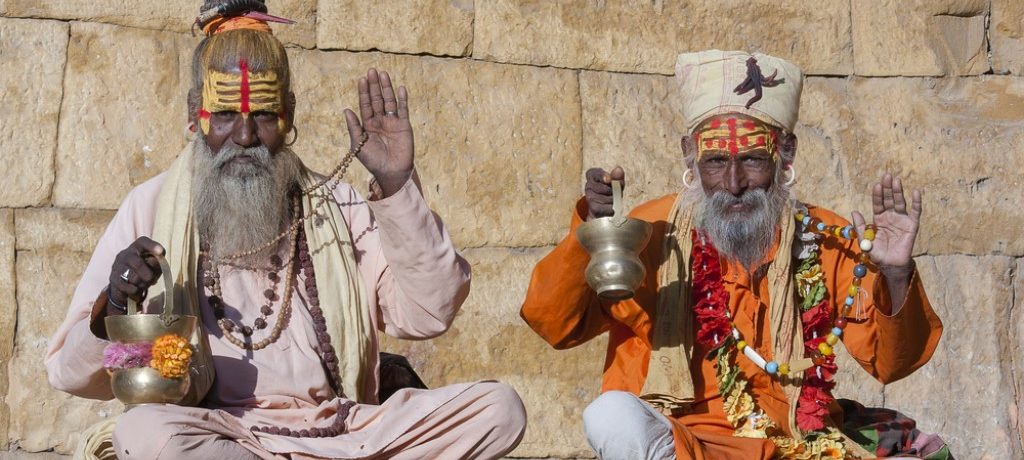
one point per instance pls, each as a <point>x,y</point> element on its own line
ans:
<point>755,161</point>
<point>265,115</point>
<point>715,161</point>
<point>225,114</point>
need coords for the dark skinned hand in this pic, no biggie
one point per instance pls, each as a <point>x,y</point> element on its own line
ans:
<point>384,120</point>
<point>598,191</point>
<point>143,271</point>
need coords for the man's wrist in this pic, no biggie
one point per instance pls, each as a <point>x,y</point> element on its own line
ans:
<point>117,306</point>
<point>897,272</point>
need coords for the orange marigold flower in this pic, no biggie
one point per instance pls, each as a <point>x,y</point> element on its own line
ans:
<point>171,355</point>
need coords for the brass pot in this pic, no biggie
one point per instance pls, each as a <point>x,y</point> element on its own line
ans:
<point>145,385</point>
<point>614,244</point>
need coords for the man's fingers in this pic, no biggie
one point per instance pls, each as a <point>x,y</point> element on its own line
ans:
<point>594,175</point>
<point>899,201</point>
<point>617,173</point>
<point>388,93</point>
<point>140,273</point>
<point>876,199</point>
<point>403,103</point>
<point>915,205</point>
<point>365,107</point>
<point>858,222</point>
<point>144,245</point>
<point>887,200</point>
<point>355,130</point>
<point>376,98</point>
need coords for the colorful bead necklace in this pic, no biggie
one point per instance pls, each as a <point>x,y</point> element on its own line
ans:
<point>717,333</point>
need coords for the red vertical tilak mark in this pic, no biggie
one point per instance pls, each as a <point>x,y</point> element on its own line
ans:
<point>244,67</point>
<point>734,148</point>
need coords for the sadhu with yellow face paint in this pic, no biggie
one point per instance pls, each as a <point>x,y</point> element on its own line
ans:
<point>291,274</point>
<point>727,350</point>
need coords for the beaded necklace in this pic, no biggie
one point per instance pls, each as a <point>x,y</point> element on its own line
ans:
<point>717,333</point>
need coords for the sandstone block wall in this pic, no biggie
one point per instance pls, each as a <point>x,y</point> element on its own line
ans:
<point>511,101</point>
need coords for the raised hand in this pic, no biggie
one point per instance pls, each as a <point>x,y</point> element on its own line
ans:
<point>384,120</point>
<point>598,191</point>
<point>896,224</point>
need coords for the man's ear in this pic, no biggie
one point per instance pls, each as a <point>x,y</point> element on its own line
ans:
<point>688,149</point>
<point>289,110</point>
<point>789,143</point>
<point>195,100</point>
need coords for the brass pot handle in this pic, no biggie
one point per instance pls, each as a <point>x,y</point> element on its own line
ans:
<point>618,217</point>
<point>168,313</point>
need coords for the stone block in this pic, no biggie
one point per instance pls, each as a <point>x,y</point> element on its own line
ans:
<point>633,121</point>
<point>438,27</point>
<point>920,37</point>
<point>1006,31</point>
<point>498,162</point>
<point>33,52</point>
<point>1015,347</point>
<point>8,311</point>
<point>162,15</point>
<point>41,417</point>
<point>645,37</point>
<point>76,230</point>
<point>490,341</point>
<point>124,112</point>
<point>965,393</point>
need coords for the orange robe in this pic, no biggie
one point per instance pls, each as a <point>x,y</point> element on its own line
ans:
<point>566,312</point>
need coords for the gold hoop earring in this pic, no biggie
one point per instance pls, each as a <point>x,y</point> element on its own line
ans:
<point>688,183</point>
<point>295,137</point>
<point>792,175</point>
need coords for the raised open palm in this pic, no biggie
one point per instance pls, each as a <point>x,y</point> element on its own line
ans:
<point>896,224</point>
<point>384,119</point>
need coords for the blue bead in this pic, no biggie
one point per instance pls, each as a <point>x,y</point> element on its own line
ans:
<point>860,271</point>
<point>849,301</point>
<point>807,220</point>
<point>772,367</point>
<point>837,332</point>
<point>846,231</point>
<point>821,226</point>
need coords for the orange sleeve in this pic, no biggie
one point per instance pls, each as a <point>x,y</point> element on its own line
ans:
<point>889,347</point>
<point>559,305</point>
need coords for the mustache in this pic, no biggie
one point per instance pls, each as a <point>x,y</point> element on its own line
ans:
<point>753,198</point>
<point>231,151</point>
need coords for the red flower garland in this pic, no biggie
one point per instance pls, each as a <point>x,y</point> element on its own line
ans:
<point>710,307</point>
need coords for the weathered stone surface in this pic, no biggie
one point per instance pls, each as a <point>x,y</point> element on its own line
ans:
<point>633,121</point>
<point>920,37</point>
<point>31,101</point>
<point>1006,31</point>
<point>636,36</point>
<point>41,417</point>
<point>75,230</point>
<point>162,15</point>
<point>965,393</point>
<point>498,146</point>
<point>8,311</point>
<point>438,27</point>
<point>123,116</point>
<point>490,340</point>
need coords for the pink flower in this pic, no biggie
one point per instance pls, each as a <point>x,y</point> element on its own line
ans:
<point>127,355</point>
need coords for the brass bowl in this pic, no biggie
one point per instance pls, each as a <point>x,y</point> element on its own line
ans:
<point>614,245</point>
<point>145,385</point>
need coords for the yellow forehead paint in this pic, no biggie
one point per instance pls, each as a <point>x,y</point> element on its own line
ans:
<point>735,136</point>
<point>244,92</point>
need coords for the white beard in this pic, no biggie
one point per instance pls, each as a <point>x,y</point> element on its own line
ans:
<point>239,206</point>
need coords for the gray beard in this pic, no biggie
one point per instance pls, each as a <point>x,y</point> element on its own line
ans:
<point>239,206</point>
<point>743,236</point>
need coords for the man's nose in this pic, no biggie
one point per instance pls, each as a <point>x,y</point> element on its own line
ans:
<point>735,179</point>
<point>245,132</point>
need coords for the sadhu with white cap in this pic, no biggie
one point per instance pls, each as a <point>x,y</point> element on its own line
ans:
<point>292,275</point>
<point>727,350</point>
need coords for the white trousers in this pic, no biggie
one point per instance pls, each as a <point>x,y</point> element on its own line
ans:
<point>619,425</point>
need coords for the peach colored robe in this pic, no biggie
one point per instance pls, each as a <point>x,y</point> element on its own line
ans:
<point>415,282</point>
<point>564,311</point>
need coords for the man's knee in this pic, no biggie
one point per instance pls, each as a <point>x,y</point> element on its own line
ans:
<point>141,433</point>
<point>606,413</point>
<point>505,408</point>
<point>618,424</point>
